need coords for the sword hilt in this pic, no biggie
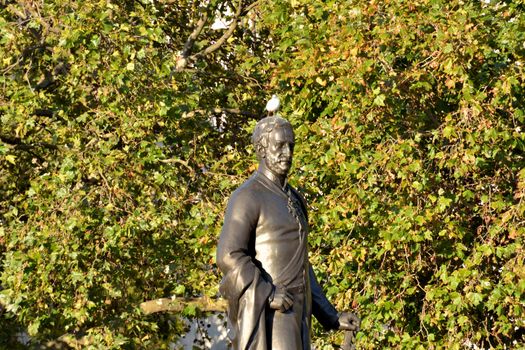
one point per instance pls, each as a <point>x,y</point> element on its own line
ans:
<point>348,343</point>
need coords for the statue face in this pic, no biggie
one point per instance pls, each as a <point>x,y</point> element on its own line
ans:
<point>279,153</point>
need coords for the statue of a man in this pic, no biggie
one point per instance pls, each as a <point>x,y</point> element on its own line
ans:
<point>269,284</point>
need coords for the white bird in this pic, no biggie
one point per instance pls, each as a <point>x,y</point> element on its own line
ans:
<point>273,105</point>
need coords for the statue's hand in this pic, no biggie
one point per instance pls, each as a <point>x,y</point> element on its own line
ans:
<point>349,322</point>
<point>281,299</point>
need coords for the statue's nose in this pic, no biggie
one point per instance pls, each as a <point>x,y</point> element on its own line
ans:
<point>287,150</point>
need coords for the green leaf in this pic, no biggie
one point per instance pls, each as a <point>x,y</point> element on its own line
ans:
<point>379,100</point>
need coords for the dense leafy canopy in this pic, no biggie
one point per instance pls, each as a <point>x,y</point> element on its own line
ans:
<point>411,118</point>
<point>125,126</point>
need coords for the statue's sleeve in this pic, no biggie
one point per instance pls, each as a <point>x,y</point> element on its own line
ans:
<point>233,250</point>
<point>243,284</point>
<point>322,309</point>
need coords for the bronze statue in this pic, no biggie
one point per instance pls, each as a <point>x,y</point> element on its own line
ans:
<point>269,284</point>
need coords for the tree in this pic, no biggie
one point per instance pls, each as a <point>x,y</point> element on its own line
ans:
<point>115,159</point>
<point>409,119</point>
<point>125,126</point>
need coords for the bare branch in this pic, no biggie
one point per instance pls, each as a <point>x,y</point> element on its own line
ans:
<point>224,37</point>
<point>249,8</point>
<point>178,304</point>
<point>182,60</point>
<point>220,111</point>
<point>194,35</point>
<point>178,161</point>
<point>184,57</point>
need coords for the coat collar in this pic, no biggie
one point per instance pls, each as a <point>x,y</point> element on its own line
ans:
<point>271,178</point>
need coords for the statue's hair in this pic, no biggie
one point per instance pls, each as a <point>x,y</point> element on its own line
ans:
<point>262,130</point>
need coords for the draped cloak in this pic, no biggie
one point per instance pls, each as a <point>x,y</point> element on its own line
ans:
<point>263,244</point>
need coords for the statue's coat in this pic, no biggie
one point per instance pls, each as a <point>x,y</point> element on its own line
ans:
<point>263,244</point>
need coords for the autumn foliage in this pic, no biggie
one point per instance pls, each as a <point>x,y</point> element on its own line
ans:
<point>124,127</point>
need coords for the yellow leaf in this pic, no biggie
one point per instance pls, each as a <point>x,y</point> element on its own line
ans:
<point>11,159</point>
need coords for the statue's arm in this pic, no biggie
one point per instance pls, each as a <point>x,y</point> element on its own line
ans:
<point>326,313</point>
<point>322,309</point>
<point>238,230</point>
<point>236,244</point>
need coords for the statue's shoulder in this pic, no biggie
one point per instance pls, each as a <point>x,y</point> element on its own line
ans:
<point>298,194</point>
<point>247,190</point>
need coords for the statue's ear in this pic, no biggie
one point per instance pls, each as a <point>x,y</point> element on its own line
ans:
<point>259,150</point>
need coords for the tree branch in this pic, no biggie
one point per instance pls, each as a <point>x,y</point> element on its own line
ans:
<point>220,111</point>
<point>249,8</point>
<point>224,37</point>
<point>178,304</point>
<point>194,35</point>
<point>179,161</point>
<point>182,60</point>
<point>185,57</point>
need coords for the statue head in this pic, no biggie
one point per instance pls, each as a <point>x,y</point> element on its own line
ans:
<point>273,140</point>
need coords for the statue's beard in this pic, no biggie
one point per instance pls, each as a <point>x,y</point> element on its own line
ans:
<point>279,165</point>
